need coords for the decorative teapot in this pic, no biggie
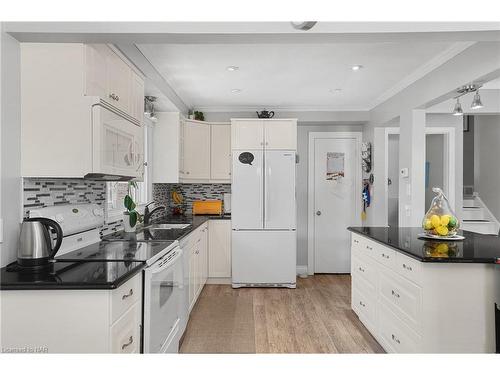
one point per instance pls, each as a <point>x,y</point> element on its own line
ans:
<point>265,114</point>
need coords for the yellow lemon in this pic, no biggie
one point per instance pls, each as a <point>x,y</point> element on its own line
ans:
<point>442,248</point>
<point>445,219</point>
<point>428,224</point>
<point>442,231</point>
<point>435,221</point>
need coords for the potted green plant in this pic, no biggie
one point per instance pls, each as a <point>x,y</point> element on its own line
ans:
<point>131,216</point>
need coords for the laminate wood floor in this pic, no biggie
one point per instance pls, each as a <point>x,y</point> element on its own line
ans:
<point>314,318</point>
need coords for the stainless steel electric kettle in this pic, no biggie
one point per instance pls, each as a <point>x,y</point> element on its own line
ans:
<point>36,246</point>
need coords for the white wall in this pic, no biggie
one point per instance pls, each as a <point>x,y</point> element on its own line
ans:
<point>487,134</point>
<point>302,180</point>
<point>10,157</point>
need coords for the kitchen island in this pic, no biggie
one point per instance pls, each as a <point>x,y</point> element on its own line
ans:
<point>426,296</point>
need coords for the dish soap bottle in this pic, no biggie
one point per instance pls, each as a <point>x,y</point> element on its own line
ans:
<point>440,220</point>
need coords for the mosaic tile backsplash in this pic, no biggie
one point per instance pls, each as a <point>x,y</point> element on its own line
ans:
<point>38,193</point>
<point>190,192</point>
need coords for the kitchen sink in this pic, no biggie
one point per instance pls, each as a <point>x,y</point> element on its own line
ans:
<point>168,226</point>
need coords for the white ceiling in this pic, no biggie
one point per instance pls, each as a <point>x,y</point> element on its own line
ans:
<point>290,76</point>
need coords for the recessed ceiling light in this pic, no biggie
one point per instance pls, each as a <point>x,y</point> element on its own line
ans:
<point>232,68</point>
<point>357,67</point>
<point>335,91</point>
<point>236,91</point>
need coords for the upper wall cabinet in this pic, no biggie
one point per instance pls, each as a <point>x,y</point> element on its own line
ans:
<point>274,134</point>
<point>114,80</point>
<point>191,151</point>
<point>220,152</point>
<point>81,112</point>
<point>196,151</point>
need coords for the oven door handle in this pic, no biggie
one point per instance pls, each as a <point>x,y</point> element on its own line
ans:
<point>160,266</point>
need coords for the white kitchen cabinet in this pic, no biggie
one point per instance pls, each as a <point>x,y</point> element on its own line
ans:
<point>195,246</point>
<point>61,85</point>
<point>196,151</point>
<point>280,134</point>
<point>421,307</point>
<point>98,321</point>
<point>118,83</point>
<point>220,152</point>
<point>136,96</point>
<point>167,150</point>
<point>219,249</point>
<point>254,134</point>
<point>111,77</point>
<point>247,134</point>
<point>190,151</point>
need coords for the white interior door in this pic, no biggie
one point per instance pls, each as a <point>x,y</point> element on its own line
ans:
<point>336,188</point>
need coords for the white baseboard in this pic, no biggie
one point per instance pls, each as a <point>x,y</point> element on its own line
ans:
<point>301,270</point>
<point>219,280</point>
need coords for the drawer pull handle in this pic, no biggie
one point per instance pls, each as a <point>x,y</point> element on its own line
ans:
<point>356,241</point>
<point>394,338</point>
<point>130,341</point>
<point>361,269</point>
<point>125,296</point>
<point>407,267</point>
<point>385,256</point>
<point>362,304</point>
<point>395,294</point>
<point>369,247</point>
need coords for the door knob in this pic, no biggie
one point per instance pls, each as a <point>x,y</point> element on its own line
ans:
<point>318,213</point>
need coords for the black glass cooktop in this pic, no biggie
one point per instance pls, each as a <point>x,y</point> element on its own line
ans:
<point>476,248</point>
<point>70,275</point>
<point>123,250</point>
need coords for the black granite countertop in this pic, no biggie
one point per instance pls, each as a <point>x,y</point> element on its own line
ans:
<point>476,248</point>
<point>71,275</point>
<point>144,234</point>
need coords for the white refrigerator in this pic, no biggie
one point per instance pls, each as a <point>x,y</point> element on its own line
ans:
<point>263,218</point>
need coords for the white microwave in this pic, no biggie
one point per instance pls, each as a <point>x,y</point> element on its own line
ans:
<point>117,145</point>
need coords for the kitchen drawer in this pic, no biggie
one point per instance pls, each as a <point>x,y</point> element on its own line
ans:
<point>125,296</point>
<point>403,298</point>
<point>356,242</point>
<point>409,268</point>
<point>364,305</point>
<point>365,268</point>
<point>125,333</point>
<point>395,336</point>
<point>384,255</point>
<point>369,247</point>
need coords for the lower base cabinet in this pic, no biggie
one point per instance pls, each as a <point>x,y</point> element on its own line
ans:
<point>416,307</point>
<point>195,247</point>
<point>73,321</point>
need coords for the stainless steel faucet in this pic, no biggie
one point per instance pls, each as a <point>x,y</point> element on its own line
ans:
<point>148,213</point>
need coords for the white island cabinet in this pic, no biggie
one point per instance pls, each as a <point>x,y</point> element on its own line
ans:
<point>74,321</point>
<point>411,306</point>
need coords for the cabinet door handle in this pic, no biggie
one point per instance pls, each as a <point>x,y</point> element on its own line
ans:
<point>356,241</point>
<point>395,294</point>
<point>369,247</point>
<point>130,341</point>
<point>385,256</point>
<point>394,338</point>
<point>117,98</point>
<point>361,269</point>
<point>187,172</point>
<point>362,304</point>
<point>129,294</point>
<point>407,267</point>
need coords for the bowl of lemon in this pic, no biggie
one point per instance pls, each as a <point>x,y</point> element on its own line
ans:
<point>440,221</point>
